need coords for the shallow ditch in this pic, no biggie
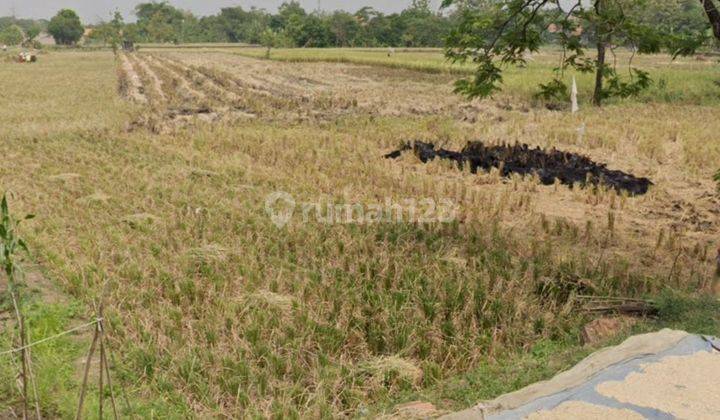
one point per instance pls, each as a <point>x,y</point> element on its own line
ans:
<point>548,165</point>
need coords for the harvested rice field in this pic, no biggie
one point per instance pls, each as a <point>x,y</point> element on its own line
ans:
<point>256,255</point>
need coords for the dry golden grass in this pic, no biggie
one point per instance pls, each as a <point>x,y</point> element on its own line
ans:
<point>216,311</point>
<point>62,93</point>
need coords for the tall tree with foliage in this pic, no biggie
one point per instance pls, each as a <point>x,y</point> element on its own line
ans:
<point>345,29</point>
<point>31,33</point>
<point>12,35</point>
<point>66,27</point>
<point>110,33</point>
<point>713,16</point>
<point>513,28</point>
<point>160,22</point>
<point>423,27</point>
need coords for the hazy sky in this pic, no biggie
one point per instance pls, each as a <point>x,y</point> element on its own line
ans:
<point>94,10</point>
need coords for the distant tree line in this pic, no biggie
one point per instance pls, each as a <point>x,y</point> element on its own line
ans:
<point>65,27</point>
<point>292,26</point>
<point>15,31</point>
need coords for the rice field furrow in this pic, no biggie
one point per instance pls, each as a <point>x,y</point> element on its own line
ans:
<point>155,81</point>
<point>186,87</point>
<point>135,87</point>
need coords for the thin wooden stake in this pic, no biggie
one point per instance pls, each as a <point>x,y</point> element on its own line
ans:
<point>103,356</point>
<point>101,332</point>
<point>23,354</point>
<point>32,381</point>
<point>100,379</point>
<point>109,381</point>
<point>78,416</point>
<point>23,358</point>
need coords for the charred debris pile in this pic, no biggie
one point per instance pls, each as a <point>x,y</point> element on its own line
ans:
<point>547,165</point>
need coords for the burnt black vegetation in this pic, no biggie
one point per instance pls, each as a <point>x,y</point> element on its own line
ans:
<point>548,165</point>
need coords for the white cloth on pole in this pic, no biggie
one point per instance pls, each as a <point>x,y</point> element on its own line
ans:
<point>573,97</point>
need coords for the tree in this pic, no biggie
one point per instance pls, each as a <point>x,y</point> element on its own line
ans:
<point>24,24</point>
<point>12,35</point>
<point>516,27</point>
<point>713,16</point>
<point>32,32</point>
<point>418,9</point>
<point>269,40</point>
<point>66,27</point>
<point>160,22</point>
<point>290,9</point>
<point>131,34</point>
<point>345,28</point>
<point>244,26</point>
<point>158,29</point>
<point>422,28</point>
<point>114,33</point>
<point>383,30</point>
<point>674,16</point>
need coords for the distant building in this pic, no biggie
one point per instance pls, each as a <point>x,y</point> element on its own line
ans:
<point>45,39</point>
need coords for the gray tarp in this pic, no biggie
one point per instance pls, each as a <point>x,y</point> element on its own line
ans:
<point>663,375</point>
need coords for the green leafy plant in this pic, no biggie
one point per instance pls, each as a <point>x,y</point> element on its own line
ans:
<point>269,40</point>
<point>555,89</point>
<point>716,178</point>
<point>616,87</point>
<point>10,245</point>
<point>12,35</point>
